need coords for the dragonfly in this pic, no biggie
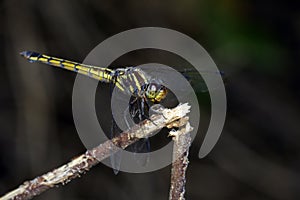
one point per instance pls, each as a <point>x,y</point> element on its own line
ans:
<point>130,80</point>
<point>143,89</point>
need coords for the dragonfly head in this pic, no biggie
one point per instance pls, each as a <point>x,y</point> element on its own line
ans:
<point>155,91</point>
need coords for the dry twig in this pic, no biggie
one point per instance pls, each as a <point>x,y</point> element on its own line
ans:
<point>84,162</point>
<point>182,142</point>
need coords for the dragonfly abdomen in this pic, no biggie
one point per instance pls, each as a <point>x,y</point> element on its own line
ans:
<point>100,73</point>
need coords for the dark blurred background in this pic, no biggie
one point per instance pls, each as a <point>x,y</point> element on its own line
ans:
<point>255,42</point>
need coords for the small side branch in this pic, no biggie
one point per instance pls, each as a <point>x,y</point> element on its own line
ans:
<point>84,162</point>
<point>182,141</point>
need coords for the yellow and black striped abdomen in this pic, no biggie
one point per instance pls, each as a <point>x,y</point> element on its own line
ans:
<point>100,73</point>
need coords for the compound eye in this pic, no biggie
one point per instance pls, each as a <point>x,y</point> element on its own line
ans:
<point>153,88</point>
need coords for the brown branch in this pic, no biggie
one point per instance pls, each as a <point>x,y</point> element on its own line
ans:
<point>182,142</point>
<point>84,162</point>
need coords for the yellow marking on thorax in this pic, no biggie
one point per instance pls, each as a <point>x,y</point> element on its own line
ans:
<point>118,85</point>
<point>136,82</point>
<point>143,77</point>
<point>131,89</point>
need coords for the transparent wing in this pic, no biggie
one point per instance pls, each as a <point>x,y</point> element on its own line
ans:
<point>139,111</point>
<point>141,151</point>
<point>128,111</point>
<point>115,158</point>
<point>193,76</point>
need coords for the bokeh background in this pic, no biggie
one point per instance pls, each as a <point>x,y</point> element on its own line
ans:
<point>255,42</point>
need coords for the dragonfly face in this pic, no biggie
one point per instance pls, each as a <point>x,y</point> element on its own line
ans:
<point>155,91</point>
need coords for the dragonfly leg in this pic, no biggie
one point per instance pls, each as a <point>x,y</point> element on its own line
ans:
<point>143,103</point>
<point>157,108</point>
